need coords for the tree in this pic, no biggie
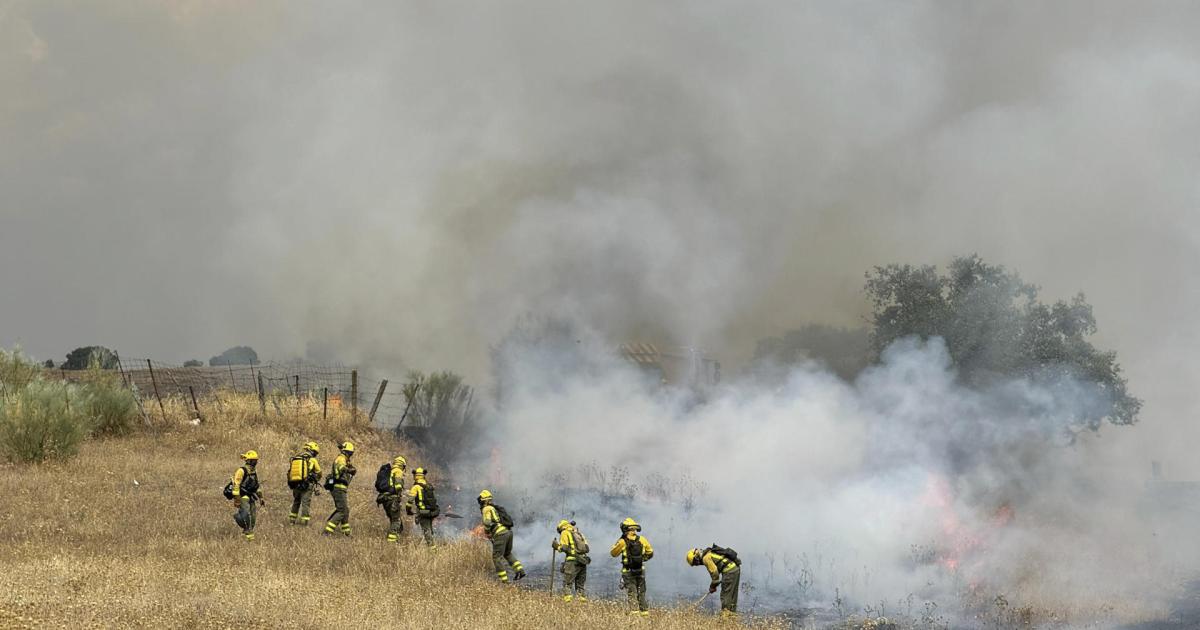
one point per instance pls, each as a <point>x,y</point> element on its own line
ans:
<point>440,408</point>
<point>90,356</point>
<point>237,355</point>
<point>193,363</point>
<point>995,327</point>
<point>844,351</point>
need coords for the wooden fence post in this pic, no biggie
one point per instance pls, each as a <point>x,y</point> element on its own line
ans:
<point>154,381</point>
<point>378,397</point>
<point>353,395</point>
<point>232,381</point>
<point>195,406</point>
<point>262,396</point>
<point>325,404</point>
<point>120,368</point>
<point>297,388</point>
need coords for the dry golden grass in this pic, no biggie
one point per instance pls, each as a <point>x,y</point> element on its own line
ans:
<point>82,545</point>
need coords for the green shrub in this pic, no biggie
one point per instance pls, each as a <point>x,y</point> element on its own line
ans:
<point>43,420</point>
<point>16,371</point>
<point>109,407</point>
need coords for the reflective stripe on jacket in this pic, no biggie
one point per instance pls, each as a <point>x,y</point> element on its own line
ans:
<point>396,480</point>
<point>491,520</point>
<point>717,564</point>
<point>566,543</point>
<point>341,476</point>
<point>620,549</point>
<point>417,493</point>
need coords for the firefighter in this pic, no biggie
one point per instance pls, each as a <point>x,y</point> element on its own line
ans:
<point>341,476</point>
<point>724,569</point>
<point>634,550</point>
<point>245,491</point>
<point>573,545</point>
<point>498,528</point>
<point>394,500</point>
<point>304,475</point>
<point>422,503</point>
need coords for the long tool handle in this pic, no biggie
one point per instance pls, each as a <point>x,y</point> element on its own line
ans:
<point>701,600</point>
<point>553,561</point>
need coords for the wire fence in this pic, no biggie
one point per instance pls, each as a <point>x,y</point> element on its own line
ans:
<point>333,387</point>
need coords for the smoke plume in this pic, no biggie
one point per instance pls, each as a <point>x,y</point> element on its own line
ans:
<point>400,183</point>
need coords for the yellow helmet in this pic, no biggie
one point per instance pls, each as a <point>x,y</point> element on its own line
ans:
<point>485,495</point>
<point>400,462</point>
<point>250,455</point>
<point>629,524</point>
<point>692,556</point>
<point>312,448</point>
<point>419,472</point>
<point>563,524</point>
<point>347,447</point>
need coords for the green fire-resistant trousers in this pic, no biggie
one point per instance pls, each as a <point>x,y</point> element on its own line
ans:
<point>393,506</point>
<point>426,525</point>
<point>730,581</point>
<point>635,588</point>
<point>574,578</point>
<point>341,512</point>
<point>246,515</point>
<point>301,503</point>
<point>502,555</point>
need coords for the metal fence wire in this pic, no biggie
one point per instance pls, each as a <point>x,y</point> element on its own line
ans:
<point>200,386</point>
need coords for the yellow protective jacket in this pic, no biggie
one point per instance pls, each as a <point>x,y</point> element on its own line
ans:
<point>396,481</point>
<point>239,476</point>
<point>566,544</point>
<point>417,494</point>
<point>343,472</point>
<point>627,562</point>
<point>716,565</point>
<point>491,521</point>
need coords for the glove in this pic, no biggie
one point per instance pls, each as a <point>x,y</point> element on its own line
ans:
<point>712,588</point>
<point>554,545</point>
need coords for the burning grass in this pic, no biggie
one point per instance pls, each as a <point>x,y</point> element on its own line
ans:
<point>133,532</point>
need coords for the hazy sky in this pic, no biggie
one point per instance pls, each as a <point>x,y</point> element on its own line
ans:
<point>401,180</point>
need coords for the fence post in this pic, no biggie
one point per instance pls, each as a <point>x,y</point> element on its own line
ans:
<point>353,395</point>
<point>378,397</point>
<point>154,382</point>
<point>120,368</point>
<point>232,381</point>
<point>325,404</point>
<point>262,396</point>
<point>195,407</point>
<point>297,388</point>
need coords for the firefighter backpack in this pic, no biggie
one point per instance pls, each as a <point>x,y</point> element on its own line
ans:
<point>502,514</point>
<point>383,479</point>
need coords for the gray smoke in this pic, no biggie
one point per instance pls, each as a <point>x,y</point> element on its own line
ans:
<point>402,182</point>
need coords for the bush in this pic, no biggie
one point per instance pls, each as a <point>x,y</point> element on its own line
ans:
<point>43,420</point>
<point>109,407</point>
<point>16,371</point>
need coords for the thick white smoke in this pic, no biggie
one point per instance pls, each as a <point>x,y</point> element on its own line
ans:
<point>901,484</point>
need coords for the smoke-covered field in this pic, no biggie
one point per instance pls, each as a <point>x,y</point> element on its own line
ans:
<point>396,186</point>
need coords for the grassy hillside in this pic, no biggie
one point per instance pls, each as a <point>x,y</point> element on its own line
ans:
<point>133,532</point>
